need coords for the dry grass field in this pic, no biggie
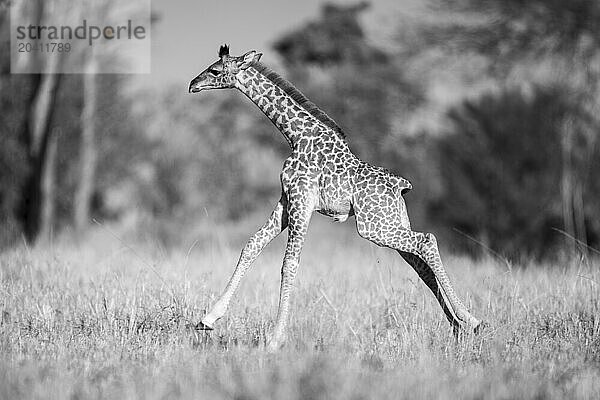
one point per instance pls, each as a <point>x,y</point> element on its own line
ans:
<point>110,319</point>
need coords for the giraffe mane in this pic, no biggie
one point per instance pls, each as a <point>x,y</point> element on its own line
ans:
<point>298,97</point>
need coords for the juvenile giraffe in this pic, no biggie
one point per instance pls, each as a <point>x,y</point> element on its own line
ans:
<point>322,175</point>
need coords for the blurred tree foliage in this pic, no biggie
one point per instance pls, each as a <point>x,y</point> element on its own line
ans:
<point>539,153</point>
<point>336,38</point>
<point>40,131</point>
<point>508,165</point>
<point>501,170</point>
<point>510,29</point>
<point>158,162</point>
<point>359,85</point>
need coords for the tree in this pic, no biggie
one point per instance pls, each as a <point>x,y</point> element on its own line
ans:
<point>36,136</point>
<point>508,30</point>
<point>562,37</point>
<point>501,171</point>
<point>88,154</point>
<point>356,83</point>
<point>40,126</point>
<point>88,148</point>
<point>13,160</point>
<point>333,39</point>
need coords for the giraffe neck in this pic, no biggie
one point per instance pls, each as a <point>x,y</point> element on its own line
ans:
<point>286,108</point>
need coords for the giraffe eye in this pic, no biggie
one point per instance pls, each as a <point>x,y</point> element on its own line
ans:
<point>213,72</point>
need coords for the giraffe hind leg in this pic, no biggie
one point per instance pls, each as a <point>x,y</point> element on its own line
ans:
<point>428,277</point>
<point>423,247</point>
<point>421,252</point>
<point>382,218</point>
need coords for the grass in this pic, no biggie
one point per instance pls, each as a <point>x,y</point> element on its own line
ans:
<point>107,319</point>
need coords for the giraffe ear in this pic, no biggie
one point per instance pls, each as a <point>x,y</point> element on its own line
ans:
<point>250,57</point>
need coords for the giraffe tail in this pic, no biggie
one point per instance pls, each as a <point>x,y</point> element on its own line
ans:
<point>402,185</point>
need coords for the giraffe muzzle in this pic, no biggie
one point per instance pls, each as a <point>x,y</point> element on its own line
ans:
<point>198,84</point>
<point>194,87</point>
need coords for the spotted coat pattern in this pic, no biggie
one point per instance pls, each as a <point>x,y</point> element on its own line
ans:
<point>323,175</point>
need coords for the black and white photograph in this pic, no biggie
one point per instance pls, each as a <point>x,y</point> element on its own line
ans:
<point>299,200</point>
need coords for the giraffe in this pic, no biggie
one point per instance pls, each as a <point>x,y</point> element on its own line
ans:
<point>322,175</point>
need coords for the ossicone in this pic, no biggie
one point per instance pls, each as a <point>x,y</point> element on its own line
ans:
<point>223,51</point>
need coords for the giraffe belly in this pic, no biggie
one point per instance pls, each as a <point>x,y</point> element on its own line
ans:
<point>335,194</point>
<point>340,211</point>
<point>337,216</point>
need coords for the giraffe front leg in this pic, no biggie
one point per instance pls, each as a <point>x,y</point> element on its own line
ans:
<point>299,218</point>
<point>276,223</point>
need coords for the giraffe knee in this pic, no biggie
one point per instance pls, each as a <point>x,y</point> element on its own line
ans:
<point>428,244</point>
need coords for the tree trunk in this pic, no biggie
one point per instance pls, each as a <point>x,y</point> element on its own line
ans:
<point>48,190</point>
<point>579,217</point>
<point>568,184</point>
<point>87,150</point>
<point>38,137</point>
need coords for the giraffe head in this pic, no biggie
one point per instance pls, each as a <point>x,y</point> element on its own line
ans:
<point>223,73</point>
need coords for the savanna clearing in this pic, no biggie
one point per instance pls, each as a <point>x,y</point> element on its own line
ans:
<point>111,317</point>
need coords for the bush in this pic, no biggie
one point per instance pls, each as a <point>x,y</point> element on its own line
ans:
<point>501,170</point>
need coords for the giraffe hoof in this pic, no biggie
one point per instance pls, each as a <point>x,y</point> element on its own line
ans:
<point>482,329</point>
<point>201,326</point>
